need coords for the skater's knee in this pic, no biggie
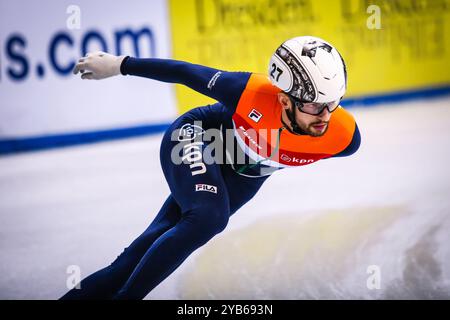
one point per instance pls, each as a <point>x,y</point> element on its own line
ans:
<point>219,221</point>
<point>209,219</point>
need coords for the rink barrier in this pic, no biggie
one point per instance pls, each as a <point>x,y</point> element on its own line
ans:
<point>15,145</point>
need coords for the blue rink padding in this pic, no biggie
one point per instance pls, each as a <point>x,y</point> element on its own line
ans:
<point>71,139</point>
<point>399,96</point>
<point>15,145</point>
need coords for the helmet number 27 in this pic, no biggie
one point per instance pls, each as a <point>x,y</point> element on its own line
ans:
<point>275,70</point>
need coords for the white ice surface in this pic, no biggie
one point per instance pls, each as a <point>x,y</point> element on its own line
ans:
<point>82,205</point>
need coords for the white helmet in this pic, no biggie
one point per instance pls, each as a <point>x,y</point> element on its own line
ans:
<point>309,69</point>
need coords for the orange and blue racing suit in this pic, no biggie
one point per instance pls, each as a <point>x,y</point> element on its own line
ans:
<point>253,143</point>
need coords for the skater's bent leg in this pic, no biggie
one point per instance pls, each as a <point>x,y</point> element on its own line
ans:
<point>197,227</point>
<point>105,283</point>
<point>199,189</point>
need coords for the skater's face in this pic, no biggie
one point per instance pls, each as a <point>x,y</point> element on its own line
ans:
<point>313,125</point>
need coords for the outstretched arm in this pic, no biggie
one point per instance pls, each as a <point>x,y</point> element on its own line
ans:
<point>225,87</point>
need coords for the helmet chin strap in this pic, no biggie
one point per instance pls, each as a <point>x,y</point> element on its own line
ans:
<point>291,116</point>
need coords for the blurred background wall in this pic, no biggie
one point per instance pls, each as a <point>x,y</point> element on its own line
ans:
<point>394,50</point>
<point>44,105</point>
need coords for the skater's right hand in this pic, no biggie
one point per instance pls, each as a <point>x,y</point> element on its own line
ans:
<point>98,65</point>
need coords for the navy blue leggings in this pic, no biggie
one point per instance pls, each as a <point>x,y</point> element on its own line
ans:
<point>197,209</point>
